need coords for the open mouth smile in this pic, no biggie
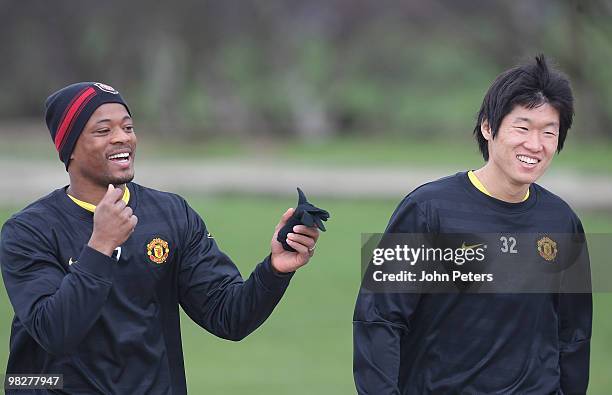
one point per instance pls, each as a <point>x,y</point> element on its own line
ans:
<point>122,158</point>
<point>528,160</point>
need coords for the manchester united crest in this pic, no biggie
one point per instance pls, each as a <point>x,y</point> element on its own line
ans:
<point>106,88</point>
<point>547,248</point>
<point>158,250</point>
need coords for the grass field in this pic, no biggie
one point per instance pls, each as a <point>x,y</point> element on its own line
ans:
<point>306,345</point>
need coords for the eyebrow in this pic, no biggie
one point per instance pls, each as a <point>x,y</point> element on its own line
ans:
<point>519,119</point>
<point>108,120</point>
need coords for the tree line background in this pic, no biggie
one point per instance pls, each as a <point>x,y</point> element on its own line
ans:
<point>308,69</point>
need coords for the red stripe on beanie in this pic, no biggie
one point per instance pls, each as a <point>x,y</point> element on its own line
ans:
<point>73,110</point>
<point>70,105</point>
<point>74,118</point>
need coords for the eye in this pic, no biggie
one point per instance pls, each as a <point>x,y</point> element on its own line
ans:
<point>129,128</point>
<point>550,134</point>
<point>521,128</point>
<point>102,131</point>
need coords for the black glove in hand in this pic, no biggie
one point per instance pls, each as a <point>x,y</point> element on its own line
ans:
<point>304,214</point>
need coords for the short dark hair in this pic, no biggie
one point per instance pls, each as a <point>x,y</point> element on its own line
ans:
<point>529,85</point>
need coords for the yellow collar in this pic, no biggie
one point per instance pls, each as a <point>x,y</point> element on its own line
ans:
<point>476,182</point>
<point>92,208</point>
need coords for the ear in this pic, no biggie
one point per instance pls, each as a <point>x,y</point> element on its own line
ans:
<point>485,130</point>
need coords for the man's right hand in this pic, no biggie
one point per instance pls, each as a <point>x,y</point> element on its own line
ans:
<point>113,222</point>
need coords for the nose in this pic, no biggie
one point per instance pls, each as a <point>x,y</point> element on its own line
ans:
<point>533,142</point>
<point>120,136</point>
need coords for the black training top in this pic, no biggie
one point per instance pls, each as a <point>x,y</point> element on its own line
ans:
<point>411,343</point>
<point>111,325</point>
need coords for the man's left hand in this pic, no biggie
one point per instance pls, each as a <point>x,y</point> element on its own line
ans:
<point>303,240</point>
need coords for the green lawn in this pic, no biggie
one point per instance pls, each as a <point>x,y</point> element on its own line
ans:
<point>306,345</point>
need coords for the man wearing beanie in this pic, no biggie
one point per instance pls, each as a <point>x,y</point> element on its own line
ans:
<point>96,270</point>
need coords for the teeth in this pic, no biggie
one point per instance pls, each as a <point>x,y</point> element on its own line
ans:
<point>526,159</point>
<point>119,156</point>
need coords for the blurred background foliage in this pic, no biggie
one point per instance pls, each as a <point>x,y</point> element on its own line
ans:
<point>313,70</point>
<point>326,83</point>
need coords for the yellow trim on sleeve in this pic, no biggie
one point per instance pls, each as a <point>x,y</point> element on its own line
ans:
<point>476,182</point>
<point>92,208</point>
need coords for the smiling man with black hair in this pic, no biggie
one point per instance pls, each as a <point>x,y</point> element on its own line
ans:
<point>502,343</point>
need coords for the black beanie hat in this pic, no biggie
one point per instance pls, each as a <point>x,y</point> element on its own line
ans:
<point>69,109</point>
